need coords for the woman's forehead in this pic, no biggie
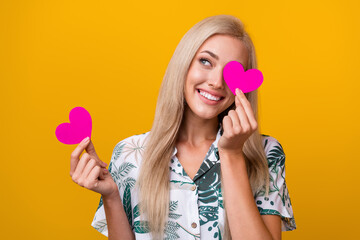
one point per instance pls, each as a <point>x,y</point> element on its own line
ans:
<point>224,48</point>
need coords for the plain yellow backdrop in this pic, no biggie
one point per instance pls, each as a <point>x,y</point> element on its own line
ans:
<point>110,57</point>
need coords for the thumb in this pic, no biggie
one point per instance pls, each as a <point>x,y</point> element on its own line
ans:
<point>237,98</point>
<point>90,149</point>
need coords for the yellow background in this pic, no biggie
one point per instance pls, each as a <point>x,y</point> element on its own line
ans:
<point>110,57</point>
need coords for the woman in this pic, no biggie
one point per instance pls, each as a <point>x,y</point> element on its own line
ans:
<point>203,171</point>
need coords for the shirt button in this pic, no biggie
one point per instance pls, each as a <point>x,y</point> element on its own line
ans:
<point>193,225</point>
<point>193,188</point>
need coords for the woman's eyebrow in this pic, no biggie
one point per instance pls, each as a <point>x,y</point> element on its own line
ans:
<point>211,54</point>
<point>216,56</point>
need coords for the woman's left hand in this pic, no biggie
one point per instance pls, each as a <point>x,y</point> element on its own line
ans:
<point>238,125</point>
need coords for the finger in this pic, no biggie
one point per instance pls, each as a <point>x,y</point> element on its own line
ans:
<point>248,109</point>
<point>250,117</point>
<point>75,155</point>
<point>85,158</point>
<point>245,124</point>
<point>95,174</point>
<point>92,179</point>
<point>227,125</point>
<point>89,166</point>
<point>103,172</point>
<point>91,150</point>
<point>244,121</point>
<point>237,97</point>
<point>236,125</point>
<point>249,112</point>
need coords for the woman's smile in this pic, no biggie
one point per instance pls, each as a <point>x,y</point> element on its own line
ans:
<point>208,98</point>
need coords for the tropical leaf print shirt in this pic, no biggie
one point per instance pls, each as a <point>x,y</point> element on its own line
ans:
<point>196,208</point>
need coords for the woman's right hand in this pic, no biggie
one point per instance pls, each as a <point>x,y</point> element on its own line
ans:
<point>89,171</point>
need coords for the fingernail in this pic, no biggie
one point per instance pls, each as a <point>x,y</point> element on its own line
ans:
<point>86,140</point>
<point>104,163</point>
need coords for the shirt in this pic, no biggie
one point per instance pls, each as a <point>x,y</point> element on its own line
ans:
<point>196,208</point>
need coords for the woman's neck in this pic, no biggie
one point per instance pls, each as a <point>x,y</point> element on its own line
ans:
<point>195,131</point>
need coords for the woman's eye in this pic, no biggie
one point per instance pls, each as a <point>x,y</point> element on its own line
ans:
<point>206,60</point>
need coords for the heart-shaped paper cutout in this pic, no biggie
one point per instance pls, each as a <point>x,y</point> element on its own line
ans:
<point>80,127</point>
<point>236,77</point>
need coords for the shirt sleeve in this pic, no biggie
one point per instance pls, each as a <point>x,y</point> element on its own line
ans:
<point>278,202</point>
<point>99,221</point>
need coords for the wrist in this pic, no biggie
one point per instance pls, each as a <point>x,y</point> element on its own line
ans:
<point>231,152</point>
<point>114,195</point>
<point>231,155</point>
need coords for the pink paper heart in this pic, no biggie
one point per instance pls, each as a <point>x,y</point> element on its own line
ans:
<point>80,127</point>
<point>236,77</point>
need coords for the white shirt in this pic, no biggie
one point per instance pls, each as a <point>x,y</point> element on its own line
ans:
<point>196,205</point>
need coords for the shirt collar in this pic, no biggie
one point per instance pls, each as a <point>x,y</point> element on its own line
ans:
<point>211,158</point>
<point>218,135</point>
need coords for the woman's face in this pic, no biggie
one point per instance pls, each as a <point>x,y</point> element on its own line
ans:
<point>206,92</point>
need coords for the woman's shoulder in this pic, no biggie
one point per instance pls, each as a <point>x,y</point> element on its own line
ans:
<point>270,142</point>
<point>273,150</point>
<point>129,151</point>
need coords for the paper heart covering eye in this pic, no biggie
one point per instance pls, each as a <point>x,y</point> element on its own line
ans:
<point>236,77</point>
<point>80,127</point>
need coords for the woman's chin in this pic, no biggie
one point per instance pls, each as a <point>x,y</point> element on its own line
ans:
<point>206,115</point>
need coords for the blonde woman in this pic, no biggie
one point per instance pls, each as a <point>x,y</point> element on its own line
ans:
<point>203,171</point>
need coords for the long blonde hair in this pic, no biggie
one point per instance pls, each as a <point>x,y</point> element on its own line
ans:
<point>154,176</point>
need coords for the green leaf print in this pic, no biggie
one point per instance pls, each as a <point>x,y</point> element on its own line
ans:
<point>276,161</point>
<point>207,214</point>
<point>100,225</point>
<point>171,227</point>
<point>220,198</point>
<point>273,183</point>
<point>276,157</point>
<point>127,204</point>
<point>110,167</point>
<point>141,227</point>
<point>114,173</point>
<point>125,168</point>
<point>173,206</point>
<point>221,203</point>
<point>129,182</point>
<point>272,187</point>
<point>117,151</point>
<point>219,233</point>
<point>174,215</point>
<point>207,163</point>
<point>136,211</point>
<point>119,174</point>
<point>170,230</point>
<point>209,184</point>
<point>268,211</point>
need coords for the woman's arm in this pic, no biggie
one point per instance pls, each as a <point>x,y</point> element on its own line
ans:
<point>245,221</point>
<point>117,221</point>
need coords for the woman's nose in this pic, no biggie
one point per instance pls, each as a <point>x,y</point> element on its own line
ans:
<point>216,80</point>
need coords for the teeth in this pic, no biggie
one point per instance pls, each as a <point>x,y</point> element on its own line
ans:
<point>208,96</point>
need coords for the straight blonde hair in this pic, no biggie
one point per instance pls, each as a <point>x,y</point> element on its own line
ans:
<point>154,175</point>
